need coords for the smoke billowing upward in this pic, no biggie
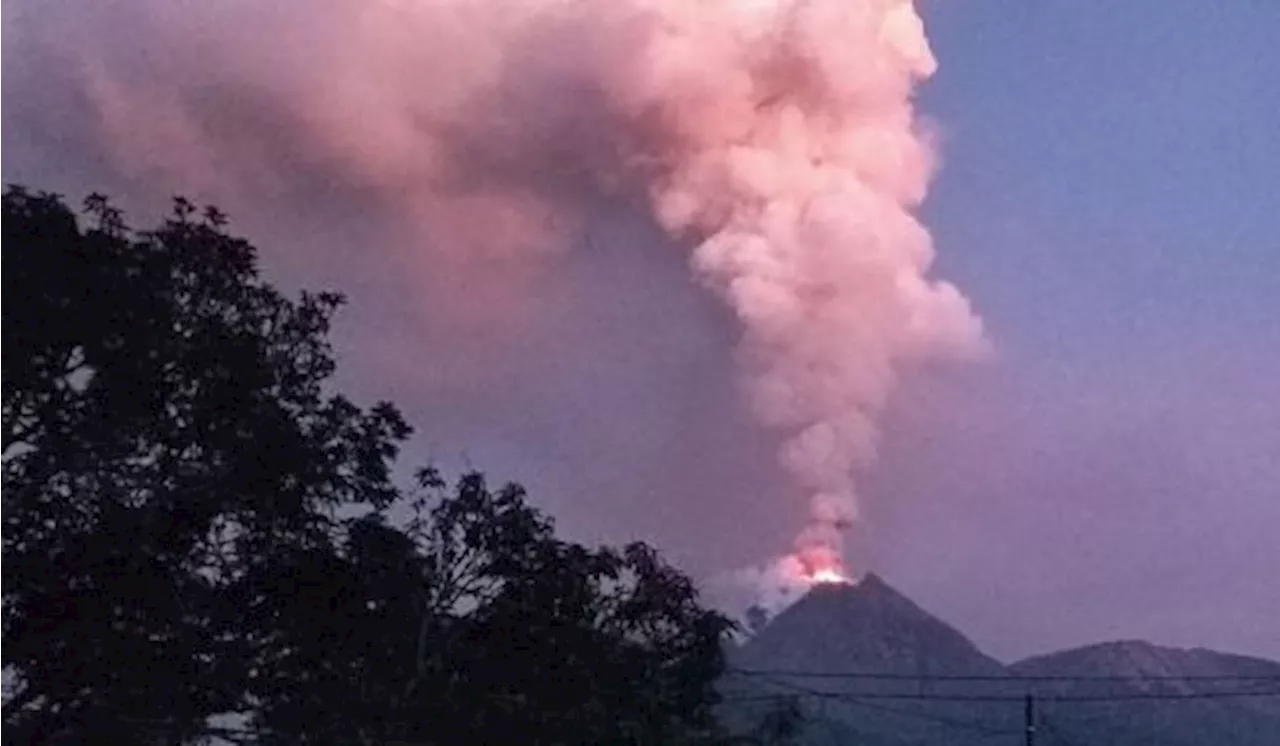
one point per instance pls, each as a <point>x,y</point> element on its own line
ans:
<point>775,138</point>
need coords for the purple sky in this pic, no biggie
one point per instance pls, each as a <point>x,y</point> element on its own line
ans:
<point>1109,202</point>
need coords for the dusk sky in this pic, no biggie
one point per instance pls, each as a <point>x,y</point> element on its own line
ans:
<point>1108,200</point>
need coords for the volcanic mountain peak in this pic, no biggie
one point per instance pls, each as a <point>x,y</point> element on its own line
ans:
<point>863,639</point>
<point>865,626</point>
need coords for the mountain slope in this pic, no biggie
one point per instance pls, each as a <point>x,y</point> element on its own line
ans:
<point>846,653</point>
<point>868,627</point>
<point>849,658</point>
<point>1153,694</point>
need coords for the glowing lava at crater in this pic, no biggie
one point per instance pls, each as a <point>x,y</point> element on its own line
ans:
<point>828,575</point>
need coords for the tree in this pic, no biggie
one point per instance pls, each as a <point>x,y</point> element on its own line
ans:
<point>194,524</point>
<point>476,623</point>
<point>168,437</point>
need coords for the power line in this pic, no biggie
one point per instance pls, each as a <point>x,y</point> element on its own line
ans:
<point>857,700</point>
<point>1122,697</point>
<point>880,696</point>
<point>1033,718</point>
<point>1140,696</point>
<point>991,677</point>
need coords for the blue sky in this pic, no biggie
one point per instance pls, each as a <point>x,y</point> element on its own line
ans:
<point>1109,199</point>
<point>1120,158</point>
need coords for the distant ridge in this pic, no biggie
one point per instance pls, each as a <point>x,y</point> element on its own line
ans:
<point>1141,659</point>
<point>1208,680</point>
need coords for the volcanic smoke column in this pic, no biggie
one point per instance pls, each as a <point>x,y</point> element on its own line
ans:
<point>792,151</point>
<point>775,137</point>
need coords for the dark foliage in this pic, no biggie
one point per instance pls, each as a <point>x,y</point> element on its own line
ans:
<point>175,471</point>
<point>476,623</point>
<point>166,429</point>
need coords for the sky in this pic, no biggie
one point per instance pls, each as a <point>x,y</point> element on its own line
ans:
<point>1106,199</point>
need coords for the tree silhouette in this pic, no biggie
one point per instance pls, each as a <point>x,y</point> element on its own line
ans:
<point>166,433</point>
<point>194,524</point>
<point>475,623</point>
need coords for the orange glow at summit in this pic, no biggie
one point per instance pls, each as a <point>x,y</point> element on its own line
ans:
<point>829,575</point>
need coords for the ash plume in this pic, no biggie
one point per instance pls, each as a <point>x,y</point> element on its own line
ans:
<point>775,138</point>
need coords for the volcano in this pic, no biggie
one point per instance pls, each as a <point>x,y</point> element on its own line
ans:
<point>863,627</point>
<point>846,658</point>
